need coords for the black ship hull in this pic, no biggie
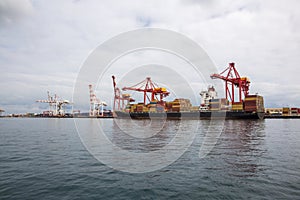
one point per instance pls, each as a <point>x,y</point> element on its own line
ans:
<point>191,115</point>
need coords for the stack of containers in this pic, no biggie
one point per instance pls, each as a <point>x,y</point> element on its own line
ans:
<point>294,111</point>
<point>237,106</point>
<point>145,109</point>
<point>224,104</point>
<point>185,105</point>
<point>254,103</point>
<point>181,105</point>
<point>215,104</point>
<point>127,108</point>
<point>140,107</point>
<point>152,106</point>
<point>133,107</point>
<point>176,105</point>
<point>285,111</point>
<point>160,108</point>
<point>169,106</point>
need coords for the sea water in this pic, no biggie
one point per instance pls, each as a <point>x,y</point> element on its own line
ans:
<point>48,158</point>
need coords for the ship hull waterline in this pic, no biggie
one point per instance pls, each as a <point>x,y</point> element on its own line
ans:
<point>200,115</point>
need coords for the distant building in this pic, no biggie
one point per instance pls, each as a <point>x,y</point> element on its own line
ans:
<point>274,111</point>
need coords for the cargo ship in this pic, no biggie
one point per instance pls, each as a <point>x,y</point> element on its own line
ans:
<point>250,108</point>
<point>241,106</point>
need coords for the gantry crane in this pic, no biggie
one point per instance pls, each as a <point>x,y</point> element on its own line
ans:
<point>147,86</point>
<point>1,111</point>
<point>95,104</point>
<point>55,105</point>
<point>119,98</point>
<point>232,79</point>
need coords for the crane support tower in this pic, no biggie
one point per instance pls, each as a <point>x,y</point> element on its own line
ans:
<point>56,105</point>
<point>119,98</point>
<point>232,79</point>
<point>95,104</point>
<point>148,86</point>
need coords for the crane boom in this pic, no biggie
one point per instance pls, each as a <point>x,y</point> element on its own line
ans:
<point>147,86</point>
<point>232,78</point>
<point>55,104</point>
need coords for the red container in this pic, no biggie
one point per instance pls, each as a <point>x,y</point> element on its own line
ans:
<point>294,110</point>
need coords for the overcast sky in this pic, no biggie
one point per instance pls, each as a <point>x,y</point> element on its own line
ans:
<point>44,43</point>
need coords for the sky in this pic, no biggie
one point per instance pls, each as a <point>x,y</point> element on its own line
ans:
<point>43,44</point>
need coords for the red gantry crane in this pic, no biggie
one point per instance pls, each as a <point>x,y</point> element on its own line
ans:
<point>119,98</point>
<point>147,86</point>
<point>232,79</point>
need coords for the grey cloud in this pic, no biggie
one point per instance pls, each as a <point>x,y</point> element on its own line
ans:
<point>43,44</point>
<point>14,10</point>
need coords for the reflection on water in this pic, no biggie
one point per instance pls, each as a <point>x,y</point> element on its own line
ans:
<point>45,159</point>
<point>242,146</point>
<point>126,133</point>
<point>116,144</point>
<point>238,144</point>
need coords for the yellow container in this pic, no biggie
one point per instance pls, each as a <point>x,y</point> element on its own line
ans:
<point>251,99</point>
<point>237,106</point>
<point>152,110</point>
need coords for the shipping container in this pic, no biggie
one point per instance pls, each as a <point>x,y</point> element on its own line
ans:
<point>285,111</point>
<point>237,106</point>
<point>254,103</point>
<point>294,111</point>
<point>152,109</point>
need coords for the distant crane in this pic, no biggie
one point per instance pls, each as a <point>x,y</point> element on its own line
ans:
<point>147,86</point>
<point>95,104</point>
<point>232,79</point>
<point>1,111</point>
<point>119,98</point>
<point>55,105</point>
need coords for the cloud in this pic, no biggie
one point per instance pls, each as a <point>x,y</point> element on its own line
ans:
<point>11,11</point>
<point>43,44</point>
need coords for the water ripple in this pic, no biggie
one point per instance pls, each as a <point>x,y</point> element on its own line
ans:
<point>45,159</point>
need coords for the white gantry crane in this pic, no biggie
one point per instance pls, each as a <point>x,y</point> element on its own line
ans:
<point>56,105</point>
<point>95,104</point>
<point>1,111</point>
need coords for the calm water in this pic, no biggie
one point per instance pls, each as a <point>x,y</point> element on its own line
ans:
<point>45,159</point>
